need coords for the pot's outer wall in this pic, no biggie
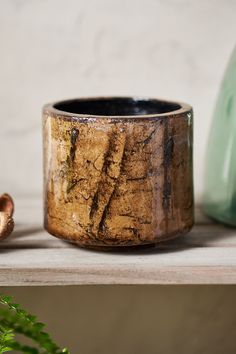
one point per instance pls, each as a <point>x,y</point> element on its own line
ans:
<point>118,182</point>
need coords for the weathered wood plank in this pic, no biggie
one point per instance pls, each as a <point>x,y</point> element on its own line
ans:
<point>207,255</point>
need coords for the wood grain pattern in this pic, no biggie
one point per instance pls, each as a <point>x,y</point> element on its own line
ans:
<point>207,255</point>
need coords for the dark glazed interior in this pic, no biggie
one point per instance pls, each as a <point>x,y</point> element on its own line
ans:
<point>116,106</point>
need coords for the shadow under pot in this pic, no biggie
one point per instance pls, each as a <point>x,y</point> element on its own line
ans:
<point>117,170</point>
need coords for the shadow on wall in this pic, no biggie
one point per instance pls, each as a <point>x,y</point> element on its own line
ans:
<point>136,319</point>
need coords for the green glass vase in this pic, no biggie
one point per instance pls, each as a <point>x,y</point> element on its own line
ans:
<point>220,179</point>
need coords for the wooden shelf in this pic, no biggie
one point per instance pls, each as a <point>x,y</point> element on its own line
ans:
<point>207,255</point>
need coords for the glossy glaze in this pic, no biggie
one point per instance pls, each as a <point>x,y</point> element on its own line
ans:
<point>220,178</point>
<point>118,180</point>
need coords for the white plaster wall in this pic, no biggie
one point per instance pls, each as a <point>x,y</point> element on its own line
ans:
<point>54,49</point>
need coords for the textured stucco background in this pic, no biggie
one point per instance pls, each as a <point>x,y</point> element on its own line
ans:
<point>55,49</point>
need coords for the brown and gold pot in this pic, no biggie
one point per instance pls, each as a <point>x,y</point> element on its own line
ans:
<point>117,170</point>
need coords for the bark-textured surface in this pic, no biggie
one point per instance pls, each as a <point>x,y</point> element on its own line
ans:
<point>118,181</point>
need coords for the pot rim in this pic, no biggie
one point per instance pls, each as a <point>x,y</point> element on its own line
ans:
<point>49,108</point>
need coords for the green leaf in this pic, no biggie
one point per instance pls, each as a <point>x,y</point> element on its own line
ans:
<point>14,319</point>
<point>6,349</point>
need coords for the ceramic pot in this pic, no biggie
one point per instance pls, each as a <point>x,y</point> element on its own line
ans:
<point>117,170</point>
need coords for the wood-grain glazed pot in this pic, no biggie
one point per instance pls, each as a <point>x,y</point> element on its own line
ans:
<point>117,170</point>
